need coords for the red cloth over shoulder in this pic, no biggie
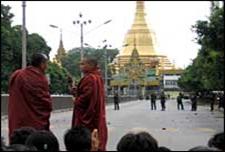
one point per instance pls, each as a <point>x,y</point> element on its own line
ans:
<point>89,106</point>
<point>30,103</point>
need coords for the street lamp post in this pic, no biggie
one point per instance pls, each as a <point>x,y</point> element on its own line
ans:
<point>60,29</point>
<point>106,66</point>
<point>24,40</point>
<point>82,22</point>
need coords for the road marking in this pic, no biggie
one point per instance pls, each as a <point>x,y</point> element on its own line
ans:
<point>138,129</point>
<point>172,129</point>
<point>204,129</point>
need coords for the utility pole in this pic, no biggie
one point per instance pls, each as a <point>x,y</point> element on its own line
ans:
<point>106,66</point>
<point>24,40</point>
<point>82,22</point>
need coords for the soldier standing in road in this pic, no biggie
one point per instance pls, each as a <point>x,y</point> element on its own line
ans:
<point>212,98</point>
<point>221,101</point>
<point>193,102</point>
<point>179,102</point>
<point>116,102</point>
<point>163,101</point>
<point>153,101</point>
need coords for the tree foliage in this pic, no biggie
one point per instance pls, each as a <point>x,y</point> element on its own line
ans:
<point>58,79</point>
<point>207,69</point>
<point>72,59</point>
<point>11,54</point>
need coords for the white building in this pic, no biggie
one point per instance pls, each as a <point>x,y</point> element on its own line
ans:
<point>170,81</point>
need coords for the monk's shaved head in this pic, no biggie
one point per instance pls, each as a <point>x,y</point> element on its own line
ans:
<point>91,61</point>
<point>38,58</point>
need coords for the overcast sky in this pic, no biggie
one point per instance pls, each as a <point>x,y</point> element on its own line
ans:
<point>170,20</point>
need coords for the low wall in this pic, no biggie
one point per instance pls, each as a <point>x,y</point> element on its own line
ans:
<point>59,102</point>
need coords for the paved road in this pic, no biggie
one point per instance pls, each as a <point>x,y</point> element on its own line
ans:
<point>177,130</point>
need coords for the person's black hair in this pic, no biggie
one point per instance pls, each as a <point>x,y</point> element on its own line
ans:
<point>203,148</point>
<point>43,141</point>
<point>20,135</point>
<point>142,141</point>
<point>217,141</point>
<point>78,139</point>
<point>162,148</point>
<point>38,58</point>
<point>20,147</point>
<point>126,142</point>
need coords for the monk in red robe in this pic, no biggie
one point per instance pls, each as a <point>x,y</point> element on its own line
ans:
<point>89,105</point>
<point>30,102</point>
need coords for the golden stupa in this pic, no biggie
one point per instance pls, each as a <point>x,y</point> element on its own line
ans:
<point>145,44</point>
<point>60,52</point>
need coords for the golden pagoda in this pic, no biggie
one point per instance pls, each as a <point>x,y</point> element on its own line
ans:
<point>138,65</point>
<point>145,43</point>
<point>60,52</point>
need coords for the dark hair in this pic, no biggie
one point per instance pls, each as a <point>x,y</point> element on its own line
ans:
<point>202,148</point>
<point>92,61</point>
<point>217,141</point>
<point>142,141</point>
<point>38,58</point>
<point>43,141</point>
<point>78,139</point>
<point>19,136</point>
<point>162,148</point>
<point>20,147</point>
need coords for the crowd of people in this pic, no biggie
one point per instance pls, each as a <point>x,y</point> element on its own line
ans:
<point>80,138</point>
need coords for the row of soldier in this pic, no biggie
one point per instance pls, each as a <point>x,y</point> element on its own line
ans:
<point>194,97</point>
<point>210,97</point>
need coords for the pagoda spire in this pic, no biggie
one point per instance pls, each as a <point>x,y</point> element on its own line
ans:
<point>144,42</point>
<point>61,43</point>
<point>140,14</point>
<point>61,51</point>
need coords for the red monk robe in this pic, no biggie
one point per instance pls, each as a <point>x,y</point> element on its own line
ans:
<point>89,107</point>
<point>30,102</point>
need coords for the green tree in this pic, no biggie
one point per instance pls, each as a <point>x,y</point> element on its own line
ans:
<point>11,46</point>
<point>71,62</point>
<point>72,59</point>
<point>58,79</point>
<point>207,70</point>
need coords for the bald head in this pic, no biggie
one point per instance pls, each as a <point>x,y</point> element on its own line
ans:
<point>39,60</point>
<point>88,64</point>
<point>91,61</point>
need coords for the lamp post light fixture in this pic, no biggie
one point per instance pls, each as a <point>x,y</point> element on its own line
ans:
<point>88,45</point>
<point>106,22</point>
<point>60,29</point>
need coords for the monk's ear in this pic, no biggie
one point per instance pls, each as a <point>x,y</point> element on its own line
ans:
<point>94,140</point>
<point>43,66</point>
